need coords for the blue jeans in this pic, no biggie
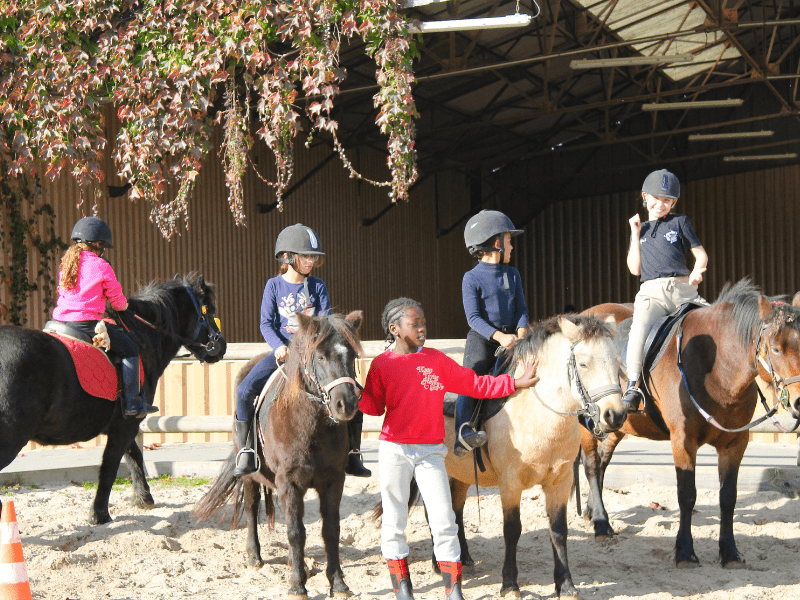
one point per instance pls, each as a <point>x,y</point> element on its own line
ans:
<point>250,387</point>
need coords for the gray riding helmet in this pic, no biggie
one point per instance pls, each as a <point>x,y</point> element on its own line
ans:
<point>662,184</point>
<point>297,239</point>
<point>92,229</point>
<point>485,225</point>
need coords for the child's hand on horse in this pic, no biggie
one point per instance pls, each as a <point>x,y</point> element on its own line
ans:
<point>280,353</point>
<point>528,377</point>
<point>504,339</point>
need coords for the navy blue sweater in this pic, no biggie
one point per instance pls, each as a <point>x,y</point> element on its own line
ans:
<point>488,305</point>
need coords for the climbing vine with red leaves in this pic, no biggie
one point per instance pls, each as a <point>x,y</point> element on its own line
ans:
<point>163,64</point>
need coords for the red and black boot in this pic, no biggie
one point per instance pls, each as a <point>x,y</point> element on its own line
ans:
<point>451,573</point>
<point>401,580</point>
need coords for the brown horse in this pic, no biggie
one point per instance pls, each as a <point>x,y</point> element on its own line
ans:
<point>723,348</point>
<point>535,438</point>
<point>304,445</point>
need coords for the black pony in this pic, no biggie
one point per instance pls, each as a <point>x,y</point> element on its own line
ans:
<point>42,400</point>
<point>305,445</point>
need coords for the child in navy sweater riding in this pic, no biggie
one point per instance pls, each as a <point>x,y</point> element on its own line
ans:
<point>408,383</point>
<point>495,308</point>
<point>294,290</point>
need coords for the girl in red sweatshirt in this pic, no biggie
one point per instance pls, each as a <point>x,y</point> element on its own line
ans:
<point>408,383</point>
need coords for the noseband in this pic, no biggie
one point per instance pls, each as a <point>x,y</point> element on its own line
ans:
<point>324,396</point>
<point>589,399</point>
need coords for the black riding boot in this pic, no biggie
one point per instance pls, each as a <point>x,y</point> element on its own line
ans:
<point>467,439</point>
<point>632,397</point>
<point>246,457</point>
<point>355,466</point>
<point>135,406</point>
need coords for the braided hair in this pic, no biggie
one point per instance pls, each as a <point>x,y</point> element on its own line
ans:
<point>393,312</point>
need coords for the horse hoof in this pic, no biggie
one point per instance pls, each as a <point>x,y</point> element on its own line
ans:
<point>510,593</point>
<point>469,569</point>
<point>737,563</point>
<point>687,564</point>
<point>344,594</point>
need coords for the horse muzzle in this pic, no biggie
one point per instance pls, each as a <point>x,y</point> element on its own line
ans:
<point>343,403</point>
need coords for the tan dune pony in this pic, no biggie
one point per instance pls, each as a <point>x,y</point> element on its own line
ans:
<point>535,438</point>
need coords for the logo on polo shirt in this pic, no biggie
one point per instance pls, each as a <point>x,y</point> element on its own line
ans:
<point>671,236</point>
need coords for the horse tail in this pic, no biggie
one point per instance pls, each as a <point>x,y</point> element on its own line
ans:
<point>226,486</point>
<point>413,497</point>
<point>269,507</point>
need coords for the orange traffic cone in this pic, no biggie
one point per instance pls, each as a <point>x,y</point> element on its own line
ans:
<point>13,574</point>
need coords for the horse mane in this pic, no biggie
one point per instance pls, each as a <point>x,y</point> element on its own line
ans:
<point>156,300</point>
<point>538,334</point>
<point>303,345</point>
<point>744,297</point>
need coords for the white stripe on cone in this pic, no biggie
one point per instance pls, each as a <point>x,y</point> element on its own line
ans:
<point>13,573</point>
<point>9,533</point>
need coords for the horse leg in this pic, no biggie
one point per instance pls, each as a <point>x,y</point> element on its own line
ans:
<point>596,457</point>
<point>684,454</point>
<point>556,498</point>
<point>329,500</point>
<point>291,496</point>
<point>730,458</point>
<point>112,456</point>
<point>512,530</point>
<point>141,498</point>
<point>458,491</point>
<point>252,498</point>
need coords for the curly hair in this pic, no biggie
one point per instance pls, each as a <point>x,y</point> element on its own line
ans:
<point>71,262</point>
<point>394,311</point>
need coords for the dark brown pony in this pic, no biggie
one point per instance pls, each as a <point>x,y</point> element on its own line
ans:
<point>304,445</point>
<point>720,355</point>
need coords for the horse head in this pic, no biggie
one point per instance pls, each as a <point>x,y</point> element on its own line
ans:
<point>326,349</point>
<point>778,350</point>
<point>201,333</point>
<point>594,365</point>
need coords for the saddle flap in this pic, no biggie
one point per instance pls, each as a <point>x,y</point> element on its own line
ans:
<point>96,374</point>
<point>661,334</point>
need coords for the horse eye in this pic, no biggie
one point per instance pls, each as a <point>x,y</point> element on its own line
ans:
<point>776,350</point>
<point>583,365</point>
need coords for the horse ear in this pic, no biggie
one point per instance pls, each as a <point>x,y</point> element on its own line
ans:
<point>796,300</point>
<point>355,318</point>
<point>304,321</point>
<point>612,323</point>
<point>765,309</point>
<point>569,329</point>
<point>177,277</point>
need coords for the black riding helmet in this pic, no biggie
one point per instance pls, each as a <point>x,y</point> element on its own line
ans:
<point>483,227</point>
<point>662,184</point>
<point>297,239</point>
<point>92,229</point>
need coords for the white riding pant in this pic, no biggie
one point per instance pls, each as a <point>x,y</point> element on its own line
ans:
<point>656,298</point>
<point>398,464</point>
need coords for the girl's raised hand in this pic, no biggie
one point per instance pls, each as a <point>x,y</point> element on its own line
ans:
<point>528,377</point>
<point>636,223</point>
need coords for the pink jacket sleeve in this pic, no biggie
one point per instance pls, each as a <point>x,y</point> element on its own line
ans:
<point>112,288</point>
<point>464,381</point>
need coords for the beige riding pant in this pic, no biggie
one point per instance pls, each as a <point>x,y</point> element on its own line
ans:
<point>656,298</point>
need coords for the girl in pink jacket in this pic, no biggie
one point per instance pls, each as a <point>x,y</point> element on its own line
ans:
<point>85,282</point>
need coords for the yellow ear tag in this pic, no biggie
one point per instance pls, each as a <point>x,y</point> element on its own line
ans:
<point>218,322</point>
<point>205,310</point>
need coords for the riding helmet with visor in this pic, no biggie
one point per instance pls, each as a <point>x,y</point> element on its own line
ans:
<point>662,184</point>
<point>483,227</point>
<point>297,239</point>
<point>92,230</point>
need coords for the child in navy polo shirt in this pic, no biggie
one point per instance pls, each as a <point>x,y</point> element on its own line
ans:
<point>495,310</point>
<point>658,255</point>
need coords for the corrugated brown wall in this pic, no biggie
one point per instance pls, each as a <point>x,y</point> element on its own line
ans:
<point>573,252</point>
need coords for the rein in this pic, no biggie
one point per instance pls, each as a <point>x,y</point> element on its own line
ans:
<point>589,399</point>
<point>778,383</point>
<point>210,348</point>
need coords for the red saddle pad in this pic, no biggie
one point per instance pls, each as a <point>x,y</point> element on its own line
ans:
<point>96,374</point>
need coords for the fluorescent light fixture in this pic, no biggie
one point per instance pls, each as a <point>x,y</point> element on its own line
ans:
<point>703,137</point>
<point>413,3</point>
<point>630,61</point>
<point>763,23</point>
<point>516,20</point>
<point>761,157</point>
<point>693,104</point>
<point>773,77</point>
